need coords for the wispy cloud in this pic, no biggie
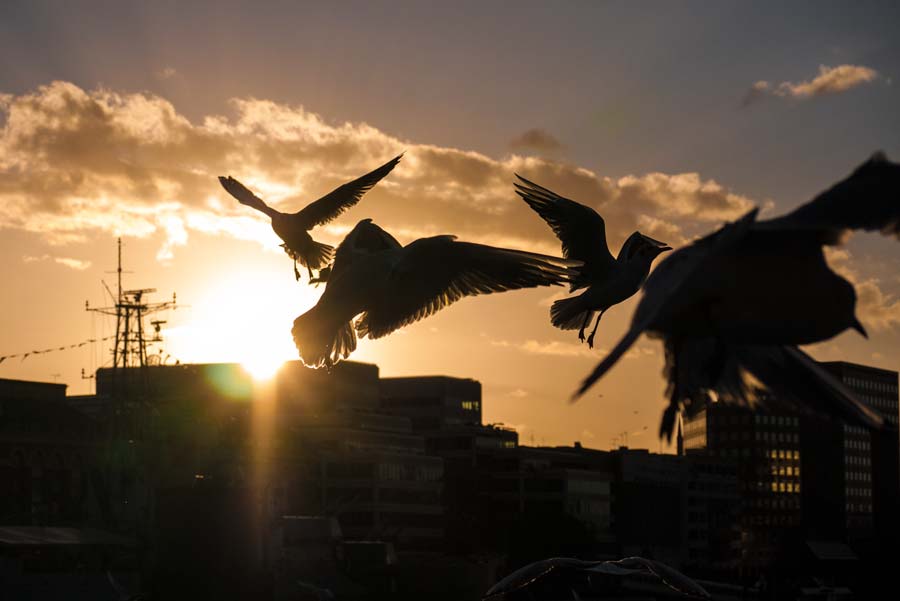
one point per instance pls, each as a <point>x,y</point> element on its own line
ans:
<point>76,264</point>
<point>560,349</point>
<point>166,73</point>
<point>830,80</point>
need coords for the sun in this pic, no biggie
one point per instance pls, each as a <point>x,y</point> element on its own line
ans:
<point>262,367</point>
<point>245,319</point>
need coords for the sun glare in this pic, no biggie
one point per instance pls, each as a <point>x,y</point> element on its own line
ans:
<point>236,323</point>
<point>262,368</point>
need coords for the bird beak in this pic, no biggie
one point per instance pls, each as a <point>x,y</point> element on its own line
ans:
<point>859,327</point>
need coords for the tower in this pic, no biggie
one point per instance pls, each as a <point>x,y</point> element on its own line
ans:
<point>129,309</point>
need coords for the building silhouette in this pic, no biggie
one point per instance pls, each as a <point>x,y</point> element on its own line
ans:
<point>811,487</point>
<point>350,484</point>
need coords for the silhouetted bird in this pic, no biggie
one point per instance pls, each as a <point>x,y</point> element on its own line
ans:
<point>393,285</point>
<point>731,306</point>
<point>608,280</point>
<point>293,228</point>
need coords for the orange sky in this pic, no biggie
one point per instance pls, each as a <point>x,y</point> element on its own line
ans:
<point>84,160</point>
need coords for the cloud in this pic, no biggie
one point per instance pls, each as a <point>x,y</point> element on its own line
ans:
<point>536,139</point>
<point>756,93</point>
<point>75,163</point>
<point>166,73</point>
<point>830,80</point>
<point>877,309</point>
<point>76,264</point>
<point>560,349</point>
<point>518,393</point>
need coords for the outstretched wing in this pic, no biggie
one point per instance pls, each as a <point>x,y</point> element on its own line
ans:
<point>681,270</point>
<point>869,199</point>
<point>798,382</point>
<point>435,272</point>
<point>343,197</point>
<point>580,229</point>
<point>245,196</point>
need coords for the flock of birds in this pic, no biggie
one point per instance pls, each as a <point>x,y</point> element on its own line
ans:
<point>730,308</point>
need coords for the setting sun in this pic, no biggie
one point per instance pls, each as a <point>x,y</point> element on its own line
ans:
<point>242,324</point>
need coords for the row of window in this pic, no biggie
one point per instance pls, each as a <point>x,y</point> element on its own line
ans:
<point>859,492</point>
<point>848,429</point>
<point>783,454</point>
<point>780,421</point>
<point>861,476</point>
<point>872,385</point>
<point>860,445</point>
<point>880,403</point>
<point>859,508</point>
<point>773,520</point>
<point>779,503</point>
<point>857,460</point>
<point>418,473</point>
<point>778,437</point>
<point>782,470</point>
<point>785,487</point>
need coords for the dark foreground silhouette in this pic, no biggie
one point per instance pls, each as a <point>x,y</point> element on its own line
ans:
<point>731,306</point>
<point>393,285</point>
<point>564,577</point>
<point>293,228</point>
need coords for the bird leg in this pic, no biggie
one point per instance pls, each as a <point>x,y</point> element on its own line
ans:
<point>309,269</point>
<point>584,324</point>
<point>591,337</point>
<point>296,273</point>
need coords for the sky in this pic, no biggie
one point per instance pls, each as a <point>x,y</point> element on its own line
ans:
<point>668,117</point>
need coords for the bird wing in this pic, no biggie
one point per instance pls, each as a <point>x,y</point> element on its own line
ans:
<point>795,379</point>
<point>580,229</point>
<point>366,237</point>
<point>343,197</point>
<point>868,199</point>
<point>679,271</point>
<point>245,196</point>
<point>435,272</point>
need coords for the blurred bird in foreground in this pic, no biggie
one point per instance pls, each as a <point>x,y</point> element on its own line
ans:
<point>731,306</point>
<point>608,280</point>
<point>393,285</point>
<point>293,228</point>
<point>628,578</point>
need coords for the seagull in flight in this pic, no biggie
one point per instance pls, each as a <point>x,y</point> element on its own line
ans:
<point>609,280</point>
<point>293,228</point>
<point>731,307</point>
<point>389,286</point>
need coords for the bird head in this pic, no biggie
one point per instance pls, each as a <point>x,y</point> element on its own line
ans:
<point>648,248</point>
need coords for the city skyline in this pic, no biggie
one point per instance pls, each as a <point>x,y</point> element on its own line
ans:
<point>672,139</point>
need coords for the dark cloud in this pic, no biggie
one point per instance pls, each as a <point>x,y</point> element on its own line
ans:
<point>536,139</point>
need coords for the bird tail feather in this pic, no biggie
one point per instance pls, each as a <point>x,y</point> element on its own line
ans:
<point>569,313</point>
<point>320,342</point>
<point>319,255</point>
